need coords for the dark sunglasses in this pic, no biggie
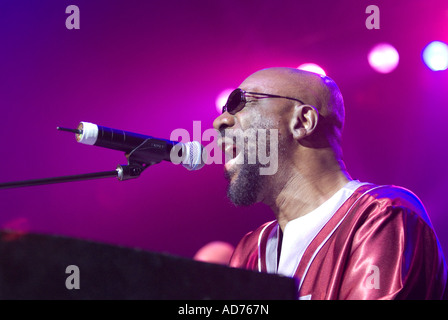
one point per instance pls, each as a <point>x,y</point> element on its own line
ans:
<point>237,100</point>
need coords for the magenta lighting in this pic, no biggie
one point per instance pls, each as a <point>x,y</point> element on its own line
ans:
<point>383,58</point>
<point>312,67</point>
<point>221,99</point>
<point>435,56</point>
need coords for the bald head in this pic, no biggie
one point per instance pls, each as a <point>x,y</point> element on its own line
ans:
<point>316,89</point>
<point>321,92</point>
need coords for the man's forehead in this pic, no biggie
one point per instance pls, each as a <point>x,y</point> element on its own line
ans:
<point>262,82</point>
<point>285,81</point>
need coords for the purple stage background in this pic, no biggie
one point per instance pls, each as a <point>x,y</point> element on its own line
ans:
<point>151,67</point>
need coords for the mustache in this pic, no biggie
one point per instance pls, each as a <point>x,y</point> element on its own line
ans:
<point>235,134</point>
<point>229,136</point>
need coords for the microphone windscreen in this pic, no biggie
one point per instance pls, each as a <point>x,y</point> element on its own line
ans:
<point>194,158</point>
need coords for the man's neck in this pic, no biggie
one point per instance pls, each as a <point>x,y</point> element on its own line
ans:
<point>302,193</point>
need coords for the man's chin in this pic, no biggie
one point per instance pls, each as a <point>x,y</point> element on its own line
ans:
<point>244,184</point>
<point>230,173</point>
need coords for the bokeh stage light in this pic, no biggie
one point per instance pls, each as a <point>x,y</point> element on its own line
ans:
<point>383,58</point>
<point>221,99</point>
<point>435,56</point>
<point>312,67</point>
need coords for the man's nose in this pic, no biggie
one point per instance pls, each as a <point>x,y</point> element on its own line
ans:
<point>224,121</point>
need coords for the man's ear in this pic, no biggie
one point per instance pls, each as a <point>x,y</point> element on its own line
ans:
<point>303,121</point>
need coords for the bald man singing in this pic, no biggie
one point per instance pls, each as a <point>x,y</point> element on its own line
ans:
<point>340,238</point>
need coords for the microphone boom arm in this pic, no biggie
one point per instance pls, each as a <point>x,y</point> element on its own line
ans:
<point>78,177</point>
<point>136,165</point>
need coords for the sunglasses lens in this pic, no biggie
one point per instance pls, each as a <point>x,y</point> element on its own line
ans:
<point>235,102</point>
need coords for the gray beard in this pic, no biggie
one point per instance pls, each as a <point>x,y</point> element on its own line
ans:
<point>244,190</point>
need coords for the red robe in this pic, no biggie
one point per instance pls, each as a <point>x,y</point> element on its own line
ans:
<point>379,244</point>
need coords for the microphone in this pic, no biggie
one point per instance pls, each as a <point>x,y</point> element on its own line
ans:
<point>144,148</point>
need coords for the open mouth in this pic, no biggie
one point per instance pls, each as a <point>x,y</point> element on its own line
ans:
<point>232,154</point>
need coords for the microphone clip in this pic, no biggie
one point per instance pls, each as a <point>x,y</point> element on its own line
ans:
<point>136,165</point>
<point>131,170</point>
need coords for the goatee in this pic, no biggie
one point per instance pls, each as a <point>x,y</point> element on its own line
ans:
<point>244,189</point>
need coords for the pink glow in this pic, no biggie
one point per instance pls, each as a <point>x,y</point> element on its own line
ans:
<point>221,99</point>
<point>312,67</point>
<point>383,58</point>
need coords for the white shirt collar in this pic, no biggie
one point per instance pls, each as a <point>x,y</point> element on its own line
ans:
<point>299,232</point>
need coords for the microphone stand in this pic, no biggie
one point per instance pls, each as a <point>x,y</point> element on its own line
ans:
<point>137,163</point>
<point>36,182</point>
<point>123,172</point>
